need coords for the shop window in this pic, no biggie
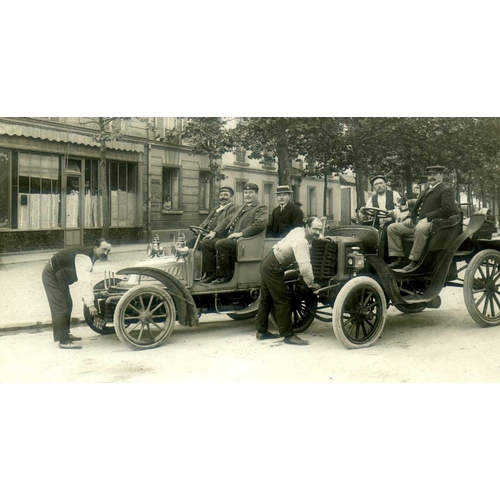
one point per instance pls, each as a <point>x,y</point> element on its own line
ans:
<point>123,194</point>
<point>205,188</point>
<point>4,189</point>
<point>39,193</point>
<point>170,188</point>
<point>93,209</point>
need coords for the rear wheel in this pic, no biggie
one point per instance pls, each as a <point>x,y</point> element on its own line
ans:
<point>359,313</point>
<point>481,288</point>
<point>144,317</point>
<point>303,305</point>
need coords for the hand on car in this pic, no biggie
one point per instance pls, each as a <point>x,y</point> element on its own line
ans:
<point>315,286</point>
<point>93,311</point>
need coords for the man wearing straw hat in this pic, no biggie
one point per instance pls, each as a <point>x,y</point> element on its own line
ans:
<point>286,216</point>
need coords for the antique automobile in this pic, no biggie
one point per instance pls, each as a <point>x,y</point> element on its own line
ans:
<point>143,302</point>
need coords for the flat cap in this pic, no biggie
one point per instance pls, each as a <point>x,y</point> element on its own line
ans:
<point>228,189</point>
<point>435,168</point>
<point>251,187</point>
<point>373,178</point>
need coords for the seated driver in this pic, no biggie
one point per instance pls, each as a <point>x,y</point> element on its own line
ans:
<point>437,201</point>
<point>384,198</point>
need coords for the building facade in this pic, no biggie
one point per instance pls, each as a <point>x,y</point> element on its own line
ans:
<point>51,191</point>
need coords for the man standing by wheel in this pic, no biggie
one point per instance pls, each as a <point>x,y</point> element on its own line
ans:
<point>436,202</point>
<point>286,216</point>
<point>62,270</point>
<point>219,246</point>
<point>217,214</point>
<point>274,292</point>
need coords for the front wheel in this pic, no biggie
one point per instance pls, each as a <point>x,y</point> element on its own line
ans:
<point>481,288</point>
<point>144,317</point>
<point>359,313</point>
<point>100,326</point>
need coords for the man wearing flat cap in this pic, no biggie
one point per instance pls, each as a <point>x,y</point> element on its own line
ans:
<point>218,248</point>
<point>286,216</point>
<point>384,198</point>
<point>217,214</point>
<point>437,201</point>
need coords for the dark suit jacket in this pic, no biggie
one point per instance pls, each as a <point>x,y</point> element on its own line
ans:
<point>212,219</point>
<point>438,203</point>
<point>249,220</point>
<point>282,222</point>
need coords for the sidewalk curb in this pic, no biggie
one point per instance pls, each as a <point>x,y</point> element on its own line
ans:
<point>13,328</point>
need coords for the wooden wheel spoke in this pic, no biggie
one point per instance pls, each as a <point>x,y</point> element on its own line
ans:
<point>142,302</point>
<point>158,306</point>
<point>135,308</point>
<point>482,274</point>
<point>494,297</point>
<point>157,326</point>
<point>150,301</point>
<point>135,326</point>
<point>140,333</point>
<point>478,303</point>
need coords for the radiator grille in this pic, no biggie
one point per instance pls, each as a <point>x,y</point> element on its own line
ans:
<point>324,259</point>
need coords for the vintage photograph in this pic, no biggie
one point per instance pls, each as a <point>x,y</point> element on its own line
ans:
<point>235,244</point>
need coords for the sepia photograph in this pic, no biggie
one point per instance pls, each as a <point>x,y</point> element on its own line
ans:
<point>267,266</point>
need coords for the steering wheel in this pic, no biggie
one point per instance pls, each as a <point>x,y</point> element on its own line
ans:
<point>374,212</point>
<point>198,230</point>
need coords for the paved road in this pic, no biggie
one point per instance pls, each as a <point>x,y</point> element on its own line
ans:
<point>442,345</point>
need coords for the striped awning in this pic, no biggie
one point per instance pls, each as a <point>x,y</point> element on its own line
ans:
<point>49,134</point>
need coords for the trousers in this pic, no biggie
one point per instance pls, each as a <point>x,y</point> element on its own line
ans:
<point>218,256</point>
<point>60,303</point>
<point>396,232</point>
<point>274,294</point>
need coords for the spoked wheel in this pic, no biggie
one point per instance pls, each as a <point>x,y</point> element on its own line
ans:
<point>100,326</point>
<point>481,288</point>
<point>144,317</point>
<point>359,313</point>
<point>303,304</point>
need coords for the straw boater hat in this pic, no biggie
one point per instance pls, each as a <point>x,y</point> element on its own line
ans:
<point>283,189</point>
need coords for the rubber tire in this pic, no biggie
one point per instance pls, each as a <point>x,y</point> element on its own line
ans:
<point>120,311</point>
<point>469,278</point>
<point>410,308</point>
<point>351,287</point>
<point>107,330</point>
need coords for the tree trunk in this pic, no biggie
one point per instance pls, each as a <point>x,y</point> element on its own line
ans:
<point>284,177</point>
<point>459,180</point>
<point>325,192</point>
<point>408,182</point>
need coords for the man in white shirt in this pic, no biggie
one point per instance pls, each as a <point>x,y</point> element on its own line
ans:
<point>273,291</point>
<point>63,269</point>
<point>383,198</point>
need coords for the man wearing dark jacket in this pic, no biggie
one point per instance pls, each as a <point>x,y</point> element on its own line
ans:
<point>63,269</point>
<point>286,216</point>
<point>217,214</point>
<point>436,202</point>
<point>218,248</point>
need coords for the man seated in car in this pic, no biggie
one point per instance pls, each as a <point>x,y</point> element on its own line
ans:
<point>384,198</point>
<point>218,248</point>
<point>437,201</point>
<point>286,216</point>
<point>217,214</point>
